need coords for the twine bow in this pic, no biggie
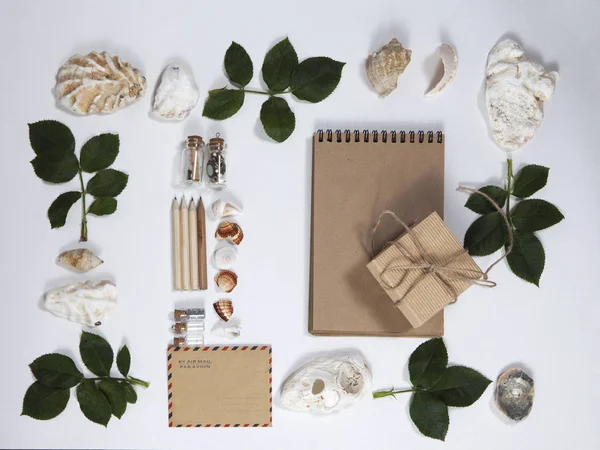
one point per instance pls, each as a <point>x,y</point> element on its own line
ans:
<point>423,262</point>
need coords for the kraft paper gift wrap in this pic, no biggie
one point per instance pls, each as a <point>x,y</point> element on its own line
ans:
<point>423,277</point>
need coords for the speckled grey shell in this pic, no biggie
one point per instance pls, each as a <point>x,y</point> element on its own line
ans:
<point>514,394</point>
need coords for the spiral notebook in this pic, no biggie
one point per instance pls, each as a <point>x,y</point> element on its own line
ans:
<point>355,176</point>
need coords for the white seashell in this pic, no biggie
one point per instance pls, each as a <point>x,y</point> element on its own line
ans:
<point>385,66</point>
<point>515,91</point>
<point>81,259</point>
<point>176,94</point>
<point>450,65</point>
<point>89,303</point>
<point>222,209</point>
<point>225,257</point>
<point>98,83</point>
<point>327,384</point>
<point>231,329</point>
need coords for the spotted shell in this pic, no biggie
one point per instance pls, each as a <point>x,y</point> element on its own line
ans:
<point>224,309</point>
<point>230,230</point>
<point>226,280</point>
<point>98,83</point>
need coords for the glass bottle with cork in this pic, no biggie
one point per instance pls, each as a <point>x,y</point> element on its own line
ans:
<point>216,164</point>
<point>192,161</point>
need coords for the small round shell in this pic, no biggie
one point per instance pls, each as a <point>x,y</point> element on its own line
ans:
<point>224,309</point>
<point>80,259</point>
<point>514,394</point>
<point>226,280</point>
<point>230,230</point>
<point>225,257</point>
<point>385,66</point>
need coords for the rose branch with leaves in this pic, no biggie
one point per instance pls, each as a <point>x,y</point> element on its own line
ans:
<point>56,374</point>
<point>488,233</point>
<point>55,162</point>
<point>312,80</point>
<point>436,387</point>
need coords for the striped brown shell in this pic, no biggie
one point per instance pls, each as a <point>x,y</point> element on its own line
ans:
<point>224,309</point>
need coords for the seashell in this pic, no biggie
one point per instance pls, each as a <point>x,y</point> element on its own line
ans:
<point>89,303</point>
<point>222,209</point>
<point>98,83</point>
<point>327,384</point>
<point>176,94</point>
<point>225,257</point>
<point>516,89</point>
<point>226,280</point>
<point>514,394</point>
<point>231,329</point>
<point>81,259</point>
<point>385,66</point>
<point>450,66</point>
<point>224,309</point>
<point>230,230</point>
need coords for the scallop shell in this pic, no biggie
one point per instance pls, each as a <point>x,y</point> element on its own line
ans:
<point>230,230</point>
<point>514,394</point>
<point>385,66</point>
<point>222,209</point>
<point>81,259</point>
<point>225,257</point>
<point>450,65</point>
<point>226,280</point>
<point>98,83</point>
<point>224,309</point>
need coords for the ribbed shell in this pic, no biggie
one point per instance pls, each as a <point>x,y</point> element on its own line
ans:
<point>230,230</point>
<point>385,66</point>
<point>226,280</point>
<point>98,83</point>
<point>224,309</point>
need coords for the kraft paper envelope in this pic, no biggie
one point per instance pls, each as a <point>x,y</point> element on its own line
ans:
<point>354,180</point>
<point>220,386</point>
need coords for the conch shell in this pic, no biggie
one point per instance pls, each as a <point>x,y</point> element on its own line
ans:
<point>516,89</point>
<point>89,303</point>
<point>222,209</point>
<point>98,83</point>
<point>81,259</point>
<point>385,66</point>
<point>226,280</point>
<point>230,230</point>
<point>224,309</point>
<point>450,65</point>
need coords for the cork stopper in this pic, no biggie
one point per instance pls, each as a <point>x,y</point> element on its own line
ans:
<point>217,143</point>
<point>180,314</point>
<point>194,141</point>
<point>179,327</point>
<point>179,342</point>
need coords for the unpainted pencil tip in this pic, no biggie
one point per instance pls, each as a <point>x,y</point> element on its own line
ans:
<point>192,204</point>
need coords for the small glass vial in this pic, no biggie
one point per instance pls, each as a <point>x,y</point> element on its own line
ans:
<point>197,341</point>
<point>192,161</point>
<point>189,314</point>
<point>196,327</point>
<point>216,164</point>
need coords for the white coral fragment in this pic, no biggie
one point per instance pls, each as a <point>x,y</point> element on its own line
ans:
<point>176,94</point>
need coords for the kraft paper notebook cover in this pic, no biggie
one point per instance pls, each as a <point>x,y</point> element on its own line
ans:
<point>356,176</point>
<point>228,386</point>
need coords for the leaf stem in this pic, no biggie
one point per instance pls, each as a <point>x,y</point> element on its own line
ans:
<point>252,91</point>
<point>391,392</point>
<point>130,380</point>
<point>83,235</point>
<point>509,176</point>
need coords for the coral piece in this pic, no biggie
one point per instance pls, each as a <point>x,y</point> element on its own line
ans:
<point>225,257</point>
<point>224,309</point>
<point>81,259</point>
<point>327,384</point>
<point>89,303</point>
<point>450,66</point>
<point>222,209</point>
<point>98,83</point>
<point>230,230</point>
<point>385,66</point>
<point>516,89</point>
<point>514,394</point>
<point>226,280</point>
<point>176,94</point>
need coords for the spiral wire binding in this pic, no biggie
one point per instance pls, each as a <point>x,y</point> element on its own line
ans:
<point>346,136</point>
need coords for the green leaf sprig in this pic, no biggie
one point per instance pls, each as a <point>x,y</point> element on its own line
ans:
<point>98,397</point>
<point>436,387</point>
<point>312,80</point>
<point>488,233</point>
<point>55,162</point>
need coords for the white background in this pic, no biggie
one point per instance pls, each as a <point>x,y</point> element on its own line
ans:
<point>552,330</point>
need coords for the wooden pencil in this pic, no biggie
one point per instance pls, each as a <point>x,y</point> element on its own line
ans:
<point>203,279</point>
<point>193,220</point>
<point>176,234</point>
<point>185,245</point>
